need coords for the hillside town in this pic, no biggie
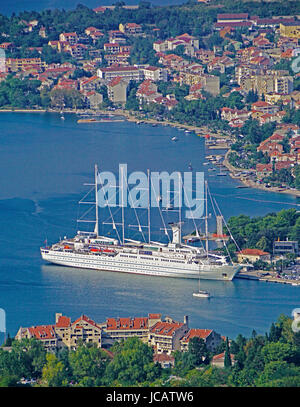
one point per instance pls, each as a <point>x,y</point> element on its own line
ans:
<point>245,69</point>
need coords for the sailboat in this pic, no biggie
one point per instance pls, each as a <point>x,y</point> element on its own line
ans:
<point>90,250</point>
<point>201,293</point>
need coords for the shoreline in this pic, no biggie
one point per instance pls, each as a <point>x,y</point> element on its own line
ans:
<point>252,184</point>
<point>200,131</point>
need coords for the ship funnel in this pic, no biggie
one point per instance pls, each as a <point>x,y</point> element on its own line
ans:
<point>176,230</point>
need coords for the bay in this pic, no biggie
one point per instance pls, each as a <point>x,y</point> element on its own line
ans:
<point>44,163</point>
<point>17,6</point>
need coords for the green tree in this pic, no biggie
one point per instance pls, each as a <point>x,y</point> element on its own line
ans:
<point>227,357</point>
<point>88,364</point>
<point>197,352</point>
<point>54,373</point>
<point>132,364</point>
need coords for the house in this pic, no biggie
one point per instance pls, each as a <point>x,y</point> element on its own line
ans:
<point>165,336</point>
<point>70,38</point>
<point>77,51</point>
<point>210,337</point>
<point>189,43</point>
<point>89,84</point>
<point>253,255</point>
<point>111,48</point>
<point>166,361</point>
<point>228,18</point>
<point>117,90</point>
<point>147,92</point>
<point>218,360</point>
<point>7,46</point>
<point>290,29</point>
<point>131,28</point>
<point>264,107</point>
<point>169,101</point>
<point>229,114</point>
<point>220,64</point>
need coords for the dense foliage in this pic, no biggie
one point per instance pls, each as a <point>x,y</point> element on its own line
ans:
<point>260,232</point>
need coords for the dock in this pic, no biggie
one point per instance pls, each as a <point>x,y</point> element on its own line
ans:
<point>260,275</point>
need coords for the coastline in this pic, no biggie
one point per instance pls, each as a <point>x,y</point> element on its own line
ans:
<point>201,131</point>
<point>251,184</point>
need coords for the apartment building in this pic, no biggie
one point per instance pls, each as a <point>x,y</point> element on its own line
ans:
<point>70,38</point>
<point>155,73</point>
<point>126,72</point>
<point>64,333</point>
<point>290,29</point>
<point>165,336</point>
<point>21,64</point>
<point>117,90</point>
<point>211,339</point>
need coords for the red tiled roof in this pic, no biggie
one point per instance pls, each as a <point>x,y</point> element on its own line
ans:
<point>115,81</point>
<point>232,16</point>
<point>163,357</point>
<point>196,333</point>
<point>43,331</point>
<point>165,328</point>
<point>119,69</point>
<point>63,322</point>
<point>221,356</point>
<point>126,323</point>
<point>253,252</point>
<point>85,319</point>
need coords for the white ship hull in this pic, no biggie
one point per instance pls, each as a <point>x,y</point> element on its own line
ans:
<point>156,266</point>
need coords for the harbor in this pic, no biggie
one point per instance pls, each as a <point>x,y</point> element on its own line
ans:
<point>58,157</point>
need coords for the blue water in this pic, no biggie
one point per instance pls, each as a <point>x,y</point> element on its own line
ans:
<point>44,163</point>
<point>17,6</point>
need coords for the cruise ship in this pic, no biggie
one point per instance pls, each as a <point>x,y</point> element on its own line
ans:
<point>88,250</point>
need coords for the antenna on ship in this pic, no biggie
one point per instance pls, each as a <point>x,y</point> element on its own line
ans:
<point>96,230</point>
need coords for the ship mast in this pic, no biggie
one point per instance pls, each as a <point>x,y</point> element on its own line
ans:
<point>122,205</point>
<point>206,223</point>
<point>96,230</point>
<point>149,219</point>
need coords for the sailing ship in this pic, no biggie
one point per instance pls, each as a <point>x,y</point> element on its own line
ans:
<point>89,250</point>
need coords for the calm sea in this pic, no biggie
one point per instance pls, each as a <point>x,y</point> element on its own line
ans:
<point>16,6</point>
<point>44,163</point>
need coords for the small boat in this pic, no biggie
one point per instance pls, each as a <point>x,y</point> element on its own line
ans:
<point>174,138</point>
<point>201,293</point>
<point>222,174</point>
<point>190,167</point>
<point>187,131</point>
